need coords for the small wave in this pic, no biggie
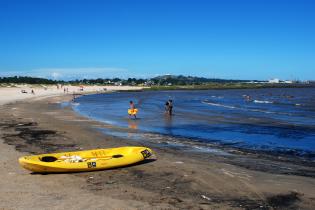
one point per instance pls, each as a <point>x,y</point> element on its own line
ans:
<point>244,109</point>
<point>217,97</point>
<point>220,105</point>
<point>262,102</point>
<point>211,150</point>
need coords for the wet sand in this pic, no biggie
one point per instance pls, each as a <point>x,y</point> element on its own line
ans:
<point>170,180</point>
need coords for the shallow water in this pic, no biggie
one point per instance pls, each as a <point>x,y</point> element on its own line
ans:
<point>259,119</point>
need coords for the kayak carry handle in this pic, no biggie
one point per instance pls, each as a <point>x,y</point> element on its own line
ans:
<point>117,156</point>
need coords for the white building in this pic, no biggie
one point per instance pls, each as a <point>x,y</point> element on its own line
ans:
<point>288,81</point>
<point>275,80</point>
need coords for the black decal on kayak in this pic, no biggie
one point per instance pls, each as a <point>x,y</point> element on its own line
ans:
<point>91,164</point>
<point>146,153</point>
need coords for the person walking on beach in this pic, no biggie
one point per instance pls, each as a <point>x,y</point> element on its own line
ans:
<point>132,110</point>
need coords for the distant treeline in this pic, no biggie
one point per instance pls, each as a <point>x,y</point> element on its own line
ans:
<point>27,80</point>
<point>167,80</point>
<point>189,80</point>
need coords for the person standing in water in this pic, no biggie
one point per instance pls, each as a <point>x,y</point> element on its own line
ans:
<point>167,108</point>
<point>132,109</point>
<point>170,107</point>
<point>73,97</point>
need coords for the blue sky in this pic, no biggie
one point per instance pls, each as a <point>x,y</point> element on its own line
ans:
<point>232,39</point>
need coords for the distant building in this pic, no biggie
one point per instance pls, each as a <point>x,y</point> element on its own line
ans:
<point>288,81</point>
<point>149,83</point>
<point>274,80</point>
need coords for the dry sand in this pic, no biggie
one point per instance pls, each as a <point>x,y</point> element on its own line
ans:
<point>175,180</point>
<point>13,94</point>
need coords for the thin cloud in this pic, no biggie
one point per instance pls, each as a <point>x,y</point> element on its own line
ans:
<point>55,75</point>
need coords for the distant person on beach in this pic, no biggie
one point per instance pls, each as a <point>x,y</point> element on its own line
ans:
<point>132,110</point>
<point>33,92</point>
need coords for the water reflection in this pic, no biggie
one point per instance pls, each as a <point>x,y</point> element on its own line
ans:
<point>168,120</point>
<point>132,124</point>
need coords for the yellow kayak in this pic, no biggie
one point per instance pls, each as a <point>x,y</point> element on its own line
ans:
<point>132,111</point>
<point>88,160</point>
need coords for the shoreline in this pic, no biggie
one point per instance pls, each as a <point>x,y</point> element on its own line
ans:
<point>295,163</point>
<point>174,181</point>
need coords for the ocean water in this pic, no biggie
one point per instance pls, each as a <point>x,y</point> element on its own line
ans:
<point>281,120</point>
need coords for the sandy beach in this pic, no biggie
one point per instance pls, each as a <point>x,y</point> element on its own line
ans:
<point>34,124</point>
